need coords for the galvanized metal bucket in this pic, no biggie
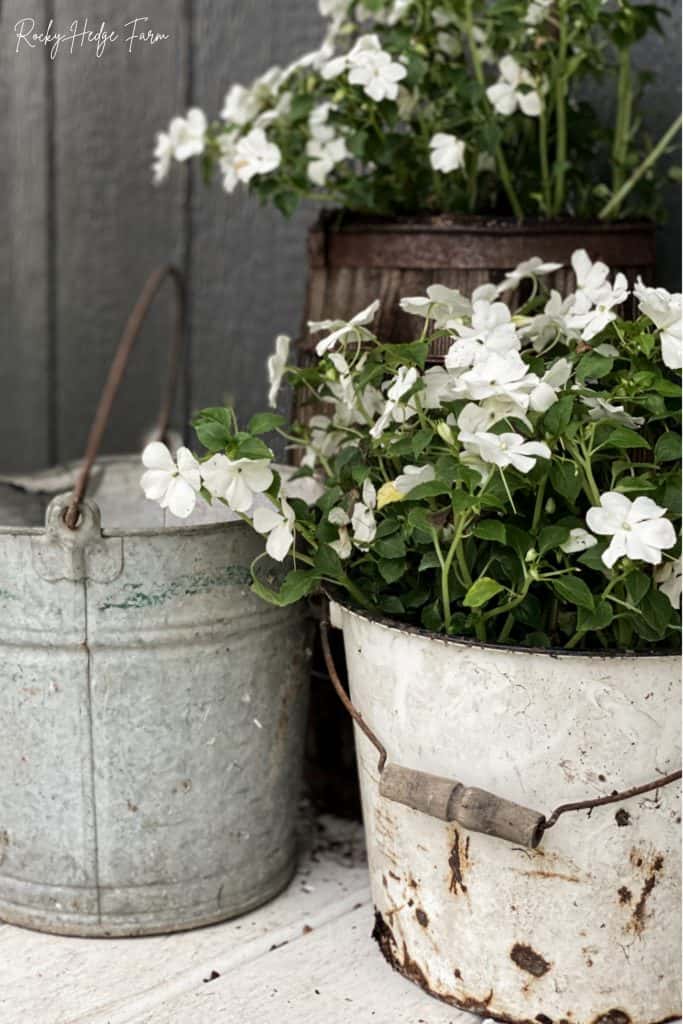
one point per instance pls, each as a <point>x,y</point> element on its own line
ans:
<point>583,929</point>
<point>152,714</point>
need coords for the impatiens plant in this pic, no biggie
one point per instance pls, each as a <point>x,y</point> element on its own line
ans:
<point>526,490</point>
<point>460,106</point>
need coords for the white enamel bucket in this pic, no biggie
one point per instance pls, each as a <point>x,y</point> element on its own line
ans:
<point>584,929</point>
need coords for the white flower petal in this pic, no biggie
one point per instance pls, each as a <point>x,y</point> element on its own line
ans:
<point>180,498</point>
<point>155,483</point>
<point>157,456</point>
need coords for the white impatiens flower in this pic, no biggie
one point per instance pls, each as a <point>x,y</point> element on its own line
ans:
<point>227,146</point>
<point>638,528</point>
<point>536,12</point>
<point>174,484</point>
<point>406,378</point>
<point>440,304</point>
<point>503,450</point>
<point>341,330</point>
<point>500,376</point>
<point>515,89</point>
<point>447,153</point>
<point>277,364</point>
<point>324,157</point>
<point>666,312</point>
<point>544,394</point>
<point>254,154</point>
<point>188,134</point>
<point>343,546</point>
<point>591,278</point>
<point>590,319</point>
<point>363,521</point>
<point>601,409</point>
<point>551,324</point>
<point>163,156</point>
<point>241,105</point>
<point>279,528</point>
<point>439,386</point>
<point>579,540</point>
<point>669,577</point>
<point>236,481</point>
<point>412,477</point>
<point>491,326</point>
<point>324,443</point>
<point>374,70</point>
<point>534,267</point>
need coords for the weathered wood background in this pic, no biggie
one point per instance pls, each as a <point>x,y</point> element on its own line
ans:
<point>81,225</point>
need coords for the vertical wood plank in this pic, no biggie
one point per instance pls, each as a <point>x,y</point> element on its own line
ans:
<point>661,105</point>
<point>113,227</point>
<point>24,284</point>
<point>248,263</point>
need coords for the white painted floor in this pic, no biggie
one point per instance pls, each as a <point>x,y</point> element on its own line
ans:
<point>305,958</point>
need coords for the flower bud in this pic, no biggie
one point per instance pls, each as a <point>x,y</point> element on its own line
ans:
<point>531,555</point>
<point>550,506</point>
<point>445,433</point>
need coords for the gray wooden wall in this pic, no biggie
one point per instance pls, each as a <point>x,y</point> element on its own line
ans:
<point>81,225</point>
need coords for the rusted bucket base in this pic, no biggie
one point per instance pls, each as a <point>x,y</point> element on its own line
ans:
<point>401,962</point>
<point>114,927</point>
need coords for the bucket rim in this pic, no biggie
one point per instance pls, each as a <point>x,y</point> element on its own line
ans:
<point>117,459</point>
<point>466,642</point>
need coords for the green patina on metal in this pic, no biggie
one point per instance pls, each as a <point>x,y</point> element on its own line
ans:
<point>184,586</point>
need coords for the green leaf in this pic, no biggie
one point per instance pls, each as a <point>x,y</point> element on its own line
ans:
<point>668,448</point>
<point>637,586</point>
<point>594,367</point>
<point>264,422</point>
<point>518,539</point>
<point>391,569</point>
<point>328,563</point>
<point>559,416</point>
<point>430,560</point>
<point>491,529</point>
<point>566,480</point>
<point>624,437</point>
<point>392,605</point>
<point>573,590</point>
<point>551,537</point>
<point>415,352</point>
<point>657,611</point>
<point>213,427</point>
<point>391,547</point>
<point>296,585</point>
<point>249,447</point>
<point>600,618</point>
<point>481,592</point>
<point>432,489</point>
<point>422,440</point>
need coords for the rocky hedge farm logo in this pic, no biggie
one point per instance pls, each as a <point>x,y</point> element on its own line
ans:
<point>81,34</point>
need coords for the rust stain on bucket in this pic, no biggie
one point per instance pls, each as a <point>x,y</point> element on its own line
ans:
<point>527,959</point>
<point>457,862</point>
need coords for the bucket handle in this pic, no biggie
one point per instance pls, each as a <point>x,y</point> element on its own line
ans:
<point>450,800</point>
<point>117,372</point>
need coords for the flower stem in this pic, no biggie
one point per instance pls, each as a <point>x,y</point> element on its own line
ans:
<point>653,156</point>
<point>503,170</point>
<point>545,172</point>
<point>561,112</point>
<point>623,120</point>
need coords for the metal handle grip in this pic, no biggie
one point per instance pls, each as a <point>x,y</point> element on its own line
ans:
<point>474,809</point>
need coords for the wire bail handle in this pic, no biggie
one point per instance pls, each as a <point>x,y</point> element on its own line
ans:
<point>449,800</point>
<point>117,372</point>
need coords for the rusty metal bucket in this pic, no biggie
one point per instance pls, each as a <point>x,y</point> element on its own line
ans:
<point>355,259</point>
<point>583,928</point>
<point>152,712</point>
